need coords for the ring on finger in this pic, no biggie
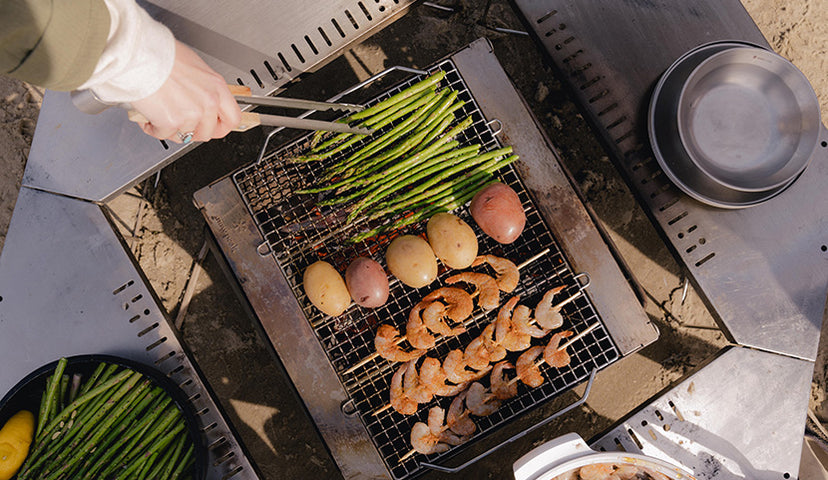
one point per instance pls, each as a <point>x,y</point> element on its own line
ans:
<point>186,137</point>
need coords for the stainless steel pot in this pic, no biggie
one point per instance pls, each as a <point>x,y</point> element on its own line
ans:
<point>569,452</point>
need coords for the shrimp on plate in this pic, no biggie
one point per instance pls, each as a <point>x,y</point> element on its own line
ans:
<point>415,330</point>
<point>527,370</point>
<point>457,419</point>
<point>599,471</point>
<point>553,354</point>
<point>386,343</point>
<point>522,322</point>
<point>507,272</point>
<point>547,316</point>
<point>505,333</point>
<point>459,302</point>
<point>501,387</point>
<point>433,376</point>
<point>480,401</point>
<point>399,400</point>
<point>486,286</point>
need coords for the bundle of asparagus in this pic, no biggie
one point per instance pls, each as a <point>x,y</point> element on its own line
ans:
<point>416,166</point>
<point>114,425</point>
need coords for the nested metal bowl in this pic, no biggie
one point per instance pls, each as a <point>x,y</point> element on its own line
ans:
<point>27,392</point>
<point>666,140</point>
<point>748,119</point>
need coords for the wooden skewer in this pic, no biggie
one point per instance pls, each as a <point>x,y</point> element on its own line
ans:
<point>374,355</point>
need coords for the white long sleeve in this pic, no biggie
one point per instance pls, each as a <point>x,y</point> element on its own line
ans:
<point>138,56</point>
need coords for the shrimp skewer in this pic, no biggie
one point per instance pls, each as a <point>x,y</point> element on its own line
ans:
<point>507,272</point>
<point>530,367</point>
<point>485,287</point>
<point>400,339</point>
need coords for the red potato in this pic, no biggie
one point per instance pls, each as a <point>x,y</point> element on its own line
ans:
<point>499,213</point>
<point>367,282</point>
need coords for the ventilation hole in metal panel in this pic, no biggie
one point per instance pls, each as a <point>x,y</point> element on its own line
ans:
<point>311,45</point>
<point>669,204</point>
<point>643,423</point>
<point>824,248</point>
<point>660,190</point>
<point>270,70</point>
<point>352,19</point>
<point>338,28</point>
<point>126,306</point>
<point>786,475</point>
<point>256,78</point>
<point>217,443</point>
<point>225,458</point>
<point>572,56</point>
<point>691,248</point>
<point>1,299</point>
<point>625,136</point>
<point>677,218</point>
<point>610,108</point>
<point>203,411</point>
<point>195,397</point>
<point>691,229</point>
<point>824,144</point>
<point>635,439</point>
<point>123,287</point>
<point>599,96</point>
<point>579,70</point>
<point>148,329</point>
<point>551,32</point>
<point>381,8</point>
<point>209,427</point>
<point>614,124</point>
<point>297,53</point>
<point>705,260</point>
<point>284,62</point>
<point>702,241</point>
<point>569,40</point>
<point>136,298</point>
<point>325,36</point>
<point>562,26</point>
<point>156,343</point>
<point>365,11</point>
<point>164,144</point>
<point>134,319</point>
<point>618,445</point>
<point>146,311</point>
<point>559,46</point>
<point>239,81</point>
<point>547,16</point>
<point>659,416</point>
<point>165,357</point>
<point>680,235</point>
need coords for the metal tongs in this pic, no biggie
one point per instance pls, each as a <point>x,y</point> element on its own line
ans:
<point>253,119</point>
<point>87,102</point>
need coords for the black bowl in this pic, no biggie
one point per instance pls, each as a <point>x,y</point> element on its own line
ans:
<point>27,393</point>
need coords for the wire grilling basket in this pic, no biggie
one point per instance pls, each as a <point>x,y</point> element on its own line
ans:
<point>297,234</point>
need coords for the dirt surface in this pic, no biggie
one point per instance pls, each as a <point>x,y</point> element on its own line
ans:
<point>166,235</point>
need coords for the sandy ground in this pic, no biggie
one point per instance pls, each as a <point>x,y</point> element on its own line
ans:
<point>166,235</point>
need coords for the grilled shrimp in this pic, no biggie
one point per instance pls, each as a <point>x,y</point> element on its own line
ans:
<point>554,356</point>
<point>480,401</point>
<point>386,345</point>
<point>505,333</point>
<point>415,330</point>
<point>458,419</point>
<point>426,442</point>
<point>412,387</point>
<point>507,272</point>
<point>434,377</point>
<point>399,400</point>
<point>485,285</point>
<point>548,317</point>
<point>434,319</point>
<point>528,372</point>
<point>455,367</point>
<point>476,355</point>
<point>502,388</point>
<point>521,320</point>
<point>436,415</point>
<point>460,303</point>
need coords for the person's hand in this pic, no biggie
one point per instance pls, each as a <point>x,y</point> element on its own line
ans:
<point>194,99</point>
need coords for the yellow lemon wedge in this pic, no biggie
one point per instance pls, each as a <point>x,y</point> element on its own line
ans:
<point>15,438</point>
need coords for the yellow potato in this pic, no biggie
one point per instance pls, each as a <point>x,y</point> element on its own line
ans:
<point>325,288</point>
<point>410,259</point>
<point>15,438</point>
<point>452,240</point>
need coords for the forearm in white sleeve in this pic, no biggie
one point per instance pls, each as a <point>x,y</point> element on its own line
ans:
<point>138,56</point>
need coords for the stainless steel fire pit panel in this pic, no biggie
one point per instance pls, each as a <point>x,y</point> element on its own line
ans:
<point>260,44</point>
<point>760,269</point>
<point>68,287</point>
<point>723,429</point>
<point>540,169</point>
<point>287,329</point>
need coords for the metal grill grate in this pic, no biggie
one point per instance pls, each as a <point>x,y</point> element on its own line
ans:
<point>267,189</point>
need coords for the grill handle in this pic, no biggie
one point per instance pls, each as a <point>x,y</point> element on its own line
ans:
<point>338,96</point>
<point>518,435</point>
